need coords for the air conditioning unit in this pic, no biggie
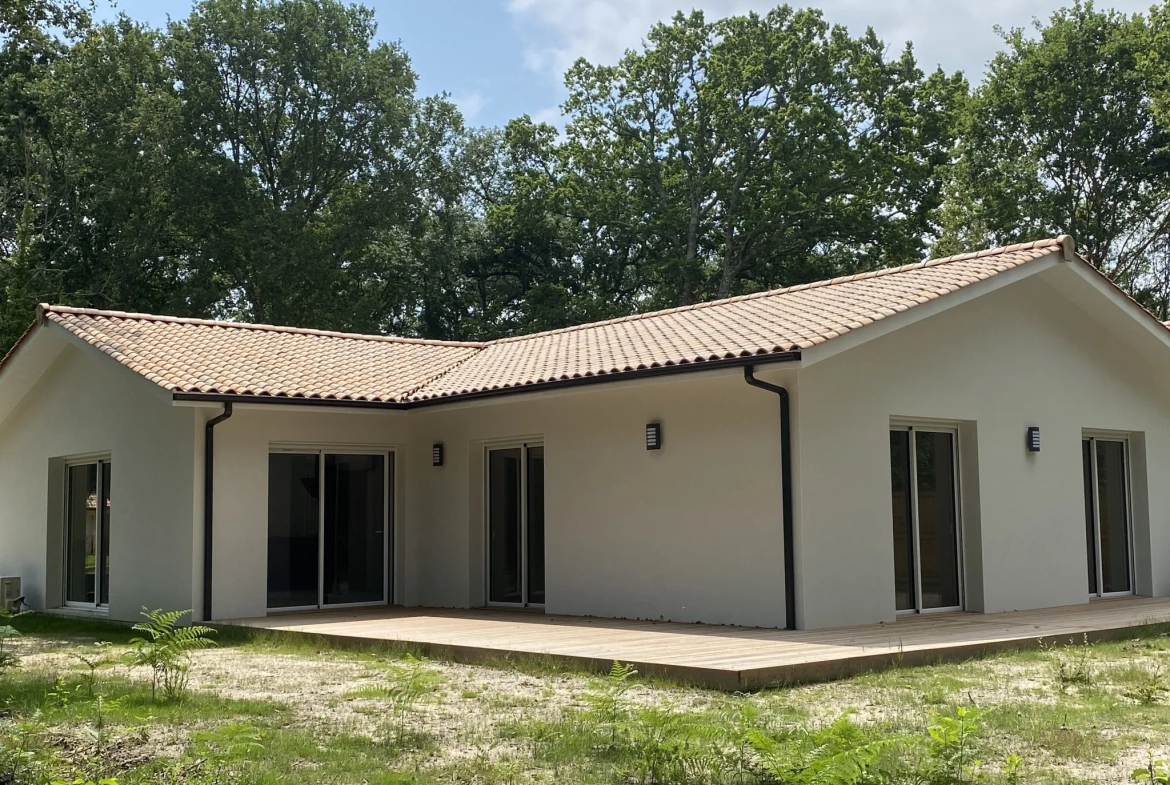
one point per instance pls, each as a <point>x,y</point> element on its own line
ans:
<point>9,593</point>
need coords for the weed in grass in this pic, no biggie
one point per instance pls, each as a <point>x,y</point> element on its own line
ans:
<point>842,753</point>
<point>1149,686</point>
<point>166,650</point>
<point>1071,668</point>
<point>952,746</point>
<point>97,656</point>
<point>1155,771</point>
<point>410,684</point>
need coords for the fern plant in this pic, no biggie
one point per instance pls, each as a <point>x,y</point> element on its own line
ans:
<point>839,754</point>
<point>166,649</point>
<point>409,685</point>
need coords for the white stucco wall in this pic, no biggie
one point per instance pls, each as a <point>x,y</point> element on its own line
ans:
<point>242,446</point>
<point>688,533</point>
<point>1023,355</point>
<point>86,404</point>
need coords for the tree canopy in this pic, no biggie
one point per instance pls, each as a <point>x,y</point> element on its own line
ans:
<point>273,160</point>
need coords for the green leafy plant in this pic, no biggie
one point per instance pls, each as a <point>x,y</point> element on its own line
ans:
<point>166,649</point>
<point>410,684</point>
<point>93,658</point>
<point>840,754</point>
<point>1155,771</point>
<point>607,705</point>
<point>1150,687</point>
<point>952,747</point>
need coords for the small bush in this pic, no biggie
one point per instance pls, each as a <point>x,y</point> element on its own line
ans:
<point>167,650</point>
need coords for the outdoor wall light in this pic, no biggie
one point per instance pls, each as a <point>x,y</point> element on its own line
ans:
<point>437,454</point>
<point>1033,438</point>
<point>654,436</point>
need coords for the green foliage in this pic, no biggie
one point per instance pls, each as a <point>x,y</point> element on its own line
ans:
<point>1155,771</point>
<point>839,754</point>
<point>1062,136</point>
<point>953,747</point>
<point>166,650</point>
<point>409,684</point>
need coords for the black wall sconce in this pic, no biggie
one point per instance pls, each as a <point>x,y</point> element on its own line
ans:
<point>437,454</point>
<point>654,436</point>
<point>1033,438</point>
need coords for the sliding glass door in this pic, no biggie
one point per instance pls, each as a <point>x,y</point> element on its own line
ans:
<point>924,475</point>
<point>515,518</point>
<point>87,534</point>
<point>1107,516</point>
<point>328,524</point>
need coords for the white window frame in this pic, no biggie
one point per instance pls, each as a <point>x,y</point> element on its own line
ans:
<point>1123,437</point>
<point>523,445</point>
<point>389,466</point>
<point>100,459</point>
<point>931,426</point>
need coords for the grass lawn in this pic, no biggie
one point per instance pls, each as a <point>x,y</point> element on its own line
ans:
<point>260,709</point>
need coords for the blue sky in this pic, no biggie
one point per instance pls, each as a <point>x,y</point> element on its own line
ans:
<point>499,59</point>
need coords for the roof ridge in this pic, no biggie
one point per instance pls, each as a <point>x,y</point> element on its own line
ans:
<point>1053,242</point>
<point>45,308</point>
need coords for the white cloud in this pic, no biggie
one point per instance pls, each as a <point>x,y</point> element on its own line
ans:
<point>470,105</point>
<point>959,36</point>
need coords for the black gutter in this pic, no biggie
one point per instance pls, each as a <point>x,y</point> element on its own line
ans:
<point>209,503</point>
<point>786,489</point>
<point>556,384</point>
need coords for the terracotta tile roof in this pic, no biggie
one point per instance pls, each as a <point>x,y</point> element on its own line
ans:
<point>227,358</point>
<point>772,322</point>
<point>195,355</point>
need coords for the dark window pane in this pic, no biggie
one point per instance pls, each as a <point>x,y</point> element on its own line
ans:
<point>903,537</point>
<point>355,517</point>
<point>536,525</point>
<point>81,536</point>
<point>1090,514</point>
<point>1112,504</point>
<point>104,552</point>
<point>937,519</point>
<point>504,541</point>
<point>293,531</point>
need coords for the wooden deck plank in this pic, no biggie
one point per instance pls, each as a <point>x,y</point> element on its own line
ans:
<point>716,656</point>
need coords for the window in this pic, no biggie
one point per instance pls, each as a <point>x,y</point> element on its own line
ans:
<point>328,518</point>
<point>87,533</point>
<point>516,525</point>
<point>924,494</point>
<point>1104,463</point>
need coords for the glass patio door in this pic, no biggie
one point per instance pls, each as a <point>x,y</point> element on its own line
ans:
<point>328,524</point>
<point>1107,516</point>
<point>87,534</point>
<point>926,520</point>
<point>515,517</point>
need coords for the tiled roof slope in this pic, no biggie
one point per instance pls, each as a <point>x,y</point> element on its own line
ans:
<point>228,358</point>
<point>194,355</point>
<point>771,322</point>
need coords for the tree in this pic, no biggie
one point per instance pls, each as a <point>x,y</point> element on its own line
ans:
<point>324,151</point>
<point>1062,137</point>
<point>760,151</point>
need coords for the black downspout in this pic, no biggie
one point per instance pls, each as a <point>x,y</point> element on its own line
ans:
<point>786,489</point>
<point>208,503</point>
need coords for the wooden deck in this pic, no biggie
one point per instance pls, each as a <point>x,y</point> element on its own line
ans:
<point>729,658</point>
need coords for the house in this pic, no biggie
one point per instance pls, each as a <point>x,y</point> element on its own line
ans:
<point>985,432</point>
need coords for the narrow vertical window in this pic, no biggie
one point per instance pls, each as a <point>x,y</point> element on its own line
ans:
<point>1107,516</point>
<point>87,533</point>
<point>515,525</point>
<point>924,493</point>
